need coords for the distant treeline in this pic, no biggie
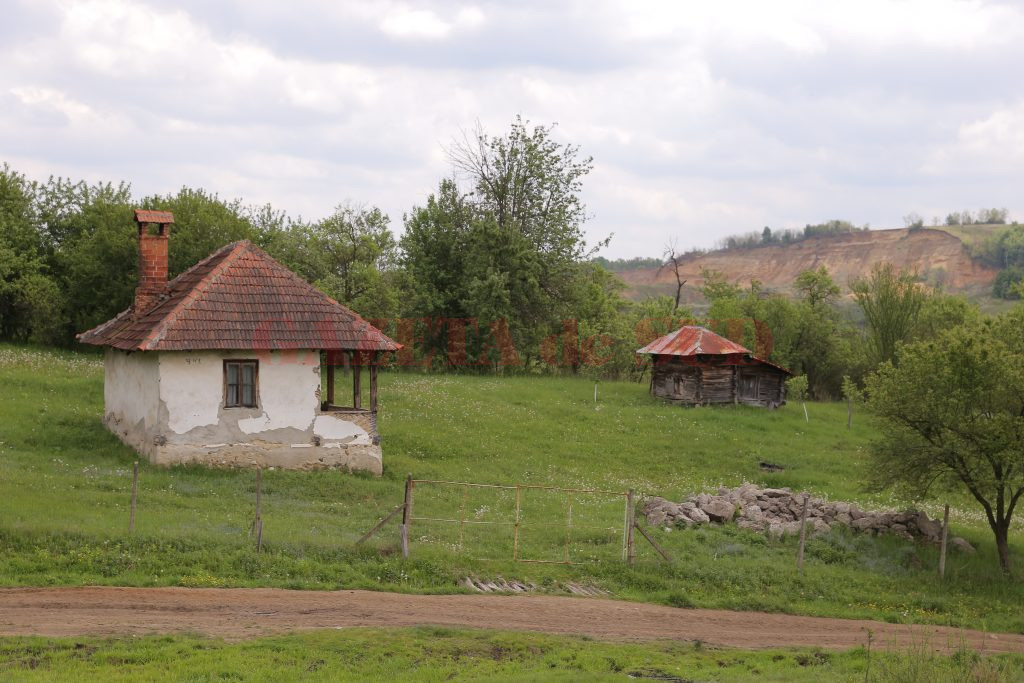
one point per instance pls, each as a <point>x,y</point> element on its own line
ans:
<point>982,217</point>
<point>767,236</point>
<point>743,241</point>
<point>622,265</point>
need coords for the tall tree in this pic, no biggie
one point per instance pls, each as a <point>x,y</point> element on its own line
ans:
<point>30,303</point>
<point>953,418</point>
<point>891,302</point>
<point>511,245</point>
<point>529,182</point>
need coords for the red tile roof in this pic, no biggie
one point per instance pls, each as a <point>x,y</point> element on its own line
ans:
<point>691,340</point>
<point>240,298</point>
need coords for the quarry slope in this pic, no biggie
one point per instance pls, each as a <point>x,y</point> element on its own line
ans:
<point>937,255</point>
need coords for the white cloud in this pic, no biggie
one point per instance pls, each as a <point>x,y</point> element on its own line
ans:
<point>403,21</point>
<point>704,119</point>
<point>991,145</point>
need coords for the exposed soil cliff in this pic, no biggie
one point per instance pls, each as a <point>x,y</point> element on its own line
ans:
<point>936,255</point>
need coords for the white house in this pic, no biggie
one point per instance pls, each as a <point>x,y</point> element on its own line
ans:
<point>222,365</point>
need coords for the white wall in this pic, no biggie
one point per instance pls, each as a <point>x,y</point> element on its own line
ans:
<point>170,406</point>
<point>131,395</point>
<point>192,392</point>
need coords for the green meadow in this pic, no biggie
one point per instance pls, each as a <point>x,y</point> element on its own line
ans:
<point>439,654</point>
<point>65,489</point>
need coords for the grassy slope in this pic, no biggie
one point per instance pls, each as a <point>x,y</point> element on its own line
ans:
<point>64,485</point>
<point>435,654</point>
<point>972,235</point>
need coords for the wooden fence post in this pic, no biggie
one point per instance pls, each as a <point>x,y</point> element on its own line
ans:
<point>406,516</point>
<point>630,526</point>
<point>942,549</point>
<point>257,523</point>
<point>803,536</point>
<point>515,527</point>
<point>135,497</point>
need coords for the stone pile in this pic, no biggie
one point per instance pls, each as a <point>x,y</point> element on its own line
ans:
<point>777,512</point>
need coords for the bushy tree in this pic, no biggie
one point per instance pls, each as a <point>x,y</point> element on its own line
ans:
<point>203,223</point>
<point>30,303</point>
<point>808,335</point>
<point>509,247</point>
<point>891,302</point>
<point>1006,284</point>
<point>953,418</point>
<point>351,255</point>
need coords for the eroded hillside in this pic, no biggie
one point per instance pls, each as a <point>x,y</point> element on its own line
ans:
<point>938,256</point>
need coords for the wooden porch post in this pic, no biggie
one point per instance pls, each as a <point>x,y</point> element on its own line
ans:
<point>330,380</point>
<point>373,384</point>
<point>357,398</point>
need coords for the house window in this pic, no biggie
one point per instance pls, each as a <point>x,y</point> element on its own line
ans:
<point>240,383</point>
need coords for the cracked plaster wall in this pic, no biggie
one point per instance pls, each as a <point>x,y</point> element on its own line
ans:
<point>170,407</point>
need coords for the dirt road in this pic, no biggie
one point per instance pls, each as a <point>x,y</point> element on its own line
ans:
<point>243,613</point>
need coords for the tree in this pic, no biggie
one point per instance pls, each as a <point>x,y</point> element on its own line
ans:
<point>891,302</point>
<point>953,418</point>
<point>351,255</point>
<point>203,223</point>
<point>817,287</point>
<point>511,246</point>
<point>941,312</point>
<point>30,305</point>
<point>528,182</point>
<point>432,252</point>
<point>674,261</point>
<point>913,220</point>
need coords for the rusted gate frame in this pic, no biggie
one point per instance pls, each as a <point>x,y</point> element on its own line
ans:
<point>516,523</point>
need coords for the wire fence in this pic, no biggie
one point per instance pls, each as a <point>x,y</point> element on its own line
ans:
<point>522,522</point>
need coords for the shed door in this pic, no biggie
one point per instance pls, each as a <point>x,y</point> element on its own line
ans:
<point>749,385</point>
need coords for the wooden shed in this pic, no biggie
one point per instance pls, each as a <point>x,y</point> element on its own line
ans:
<point>695,366</point>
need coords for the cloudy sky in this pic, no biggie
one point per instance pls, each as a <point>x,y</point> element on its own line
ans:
<point>703,119</point>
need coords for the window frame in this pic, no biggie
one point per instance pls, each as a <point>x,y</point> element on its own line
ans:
<point>240,362</point>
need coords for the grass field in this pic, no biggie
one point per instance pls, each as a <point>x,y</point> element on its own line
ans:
<point>436,654</point>
<point>972,235</point>
<point>64,492</point>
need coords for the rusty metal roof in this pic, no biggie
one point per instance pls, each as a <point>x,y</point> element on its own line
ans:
<point>690,341</point>
<point>240,298</point>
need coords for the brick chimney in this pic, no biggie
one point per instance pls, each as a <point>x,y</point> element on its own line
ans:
<point>152,258</point>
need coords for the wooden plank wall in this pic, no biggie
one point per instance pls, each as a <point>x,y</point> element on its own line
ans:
<point>709,384</point>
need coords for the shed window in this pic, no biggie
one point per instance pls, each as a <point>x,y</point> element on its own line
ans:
<point>240,383</point>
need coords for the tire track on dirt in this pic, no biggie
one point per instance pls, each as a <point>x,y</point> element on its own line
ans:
<point>239,613</point>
